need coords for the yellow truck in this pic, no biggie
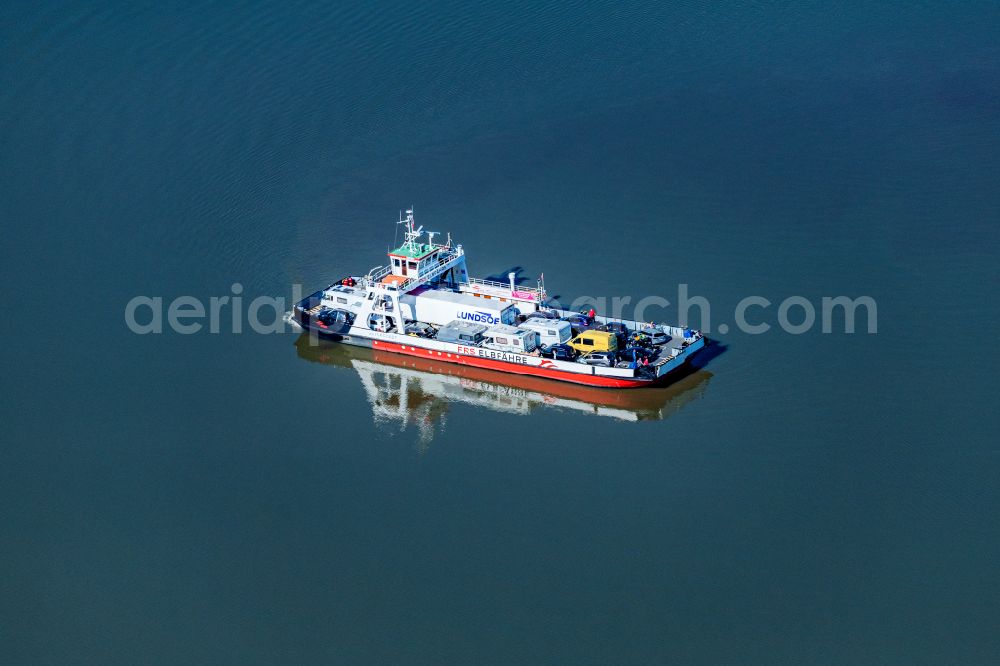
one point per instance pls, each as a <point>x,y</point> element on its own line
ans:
<point>590,341</point>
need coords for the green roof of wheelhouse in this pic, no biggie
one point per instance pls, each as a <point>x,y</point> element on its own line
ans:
<point>418,251</point>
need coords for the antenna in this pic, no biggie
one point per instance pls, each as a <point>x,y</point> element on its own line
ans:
<point>412,234</point>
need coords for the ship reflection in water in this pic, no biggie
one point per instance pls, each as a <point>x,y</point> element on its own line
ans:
<point>407,391</point>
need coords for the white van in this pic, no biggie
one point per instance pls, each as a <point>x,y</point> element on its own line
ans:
<point>550,331</point>
<point>510,339</point>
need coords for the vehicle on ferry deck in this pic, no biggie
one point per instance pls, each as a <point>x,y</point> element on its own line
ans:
<point>541,314</point>
<point>604,359</point>
<point>637,353</point>
<point>640,339</point>
<point>616,327</point>
<point>439,306</point>
<point>559,352</point>
<point>381,323</point>
<point>656,335</point>
<point>580,323</point>
<point>620,330</point>
<point>550,332</point>
<point>589,341</point>
<point>510,339</point>
<point>335,317</point>
<point>419,329</point>
<point>462,332</point>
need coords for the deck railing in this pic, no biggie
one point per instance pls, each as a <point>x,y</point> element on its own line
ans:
<point>537,292</point>
<point>445,257</point>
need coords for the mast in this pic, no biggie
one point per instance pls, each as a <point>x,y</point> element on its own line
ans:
<point>412,231</point>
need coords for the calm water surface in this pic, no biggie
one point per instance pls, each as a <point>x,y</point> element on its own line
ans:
<point>243,498</point>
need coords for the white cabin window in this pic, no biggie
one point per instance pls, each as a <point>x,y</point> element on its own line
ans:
<point>500,341</point>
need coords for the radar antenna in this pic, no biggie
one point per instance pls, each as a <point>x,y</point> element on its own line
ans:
<point>412,234</point>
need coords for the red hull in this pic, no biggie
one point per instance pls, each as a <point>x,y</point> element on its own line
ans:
<point>514,368</point>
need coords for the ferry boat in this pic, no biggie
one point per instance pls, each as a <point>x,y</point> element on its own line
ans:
<point>424,303</point>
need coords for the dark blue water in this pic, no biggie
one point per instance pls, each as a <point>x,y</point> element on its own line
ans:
<point>815,498</point>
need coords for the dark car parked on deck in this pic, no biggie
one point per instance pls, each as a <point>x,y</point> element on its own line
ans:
<point>620,330</point>
<point>335,317</point>
<point>419,329</point>
<point>559,352</point>
<point>580,323</point>
<point>541,314</point>
<point>636,353</point>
